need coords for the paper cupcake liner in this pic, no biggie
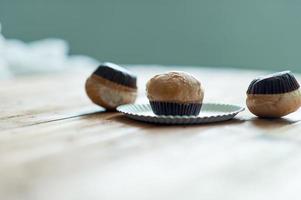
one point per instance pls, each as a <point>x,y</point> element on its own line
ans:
<point>168,108</point>
<point>277,83</point>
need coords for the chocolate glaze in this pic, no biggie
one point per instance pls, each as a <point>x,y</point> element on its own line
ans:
<point>277,83</point>
<point>117,74</point>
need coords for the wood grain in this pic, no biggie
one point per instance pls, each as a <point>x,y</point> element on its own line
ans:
<point>54,144</point>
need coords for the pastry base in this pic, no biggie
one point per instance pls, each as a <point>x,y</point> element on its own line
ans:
<point>274,105</point>
<point>176,87</point>
<point>108,94</point>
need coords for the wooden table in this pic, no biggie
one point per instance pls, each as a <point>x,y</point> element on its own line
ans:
<point>55,144</point>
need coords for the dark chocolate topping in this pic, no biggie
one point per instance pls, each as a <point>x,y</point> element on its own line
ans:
<point>116,74</point>
<point>276,83</point>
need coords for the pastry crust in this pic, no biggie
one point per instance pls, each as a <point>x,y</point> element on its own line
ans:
<point>109,94</point>
<point>274,105</point>
<point>177,87</point>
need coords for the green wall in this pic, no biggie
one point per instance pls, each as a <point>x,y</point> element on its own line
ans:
<point>264,34</point>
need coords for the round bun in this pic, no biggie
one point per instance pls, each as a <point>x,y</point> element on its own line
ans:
<point>274,106</point>
<point>274,95</point>
<point>111,85</point>
<point>176,87</point>
<point>175,93</point>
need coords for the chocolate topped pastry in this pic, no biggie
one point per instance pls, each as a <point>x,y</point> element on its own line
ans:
<point>111,85</point>
<point>276,83</point>
<point>274,95</point>
<point>175,93</point>
<point>117,74</point>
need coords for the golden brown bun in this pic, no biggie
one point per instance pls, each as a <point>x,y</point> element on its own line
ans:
<point>109,94</point>
<point>274,105</point>
<point>178,87</point>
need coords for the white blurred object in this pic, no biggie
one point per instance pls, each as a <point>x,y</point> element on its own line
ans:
<point>47,55</point>
<point>43,56</point>
<point>78,61</point>
<point>4,70</point>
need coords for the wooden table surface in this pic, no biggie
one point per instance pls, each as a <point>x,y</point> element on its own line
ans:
<point>55,144</point>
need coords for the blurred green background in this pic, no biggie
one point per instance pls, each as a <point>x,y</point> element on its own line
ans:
<point>259,34</point>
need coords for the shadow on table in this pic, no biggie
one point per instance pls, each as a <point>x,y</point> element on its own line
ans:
<point>102,114</point>
<point>271,124</point>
